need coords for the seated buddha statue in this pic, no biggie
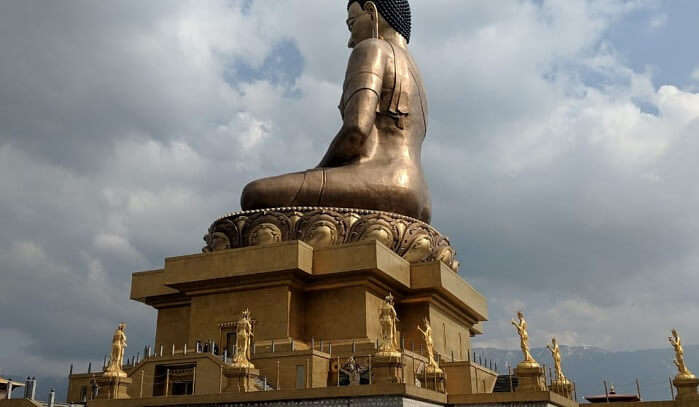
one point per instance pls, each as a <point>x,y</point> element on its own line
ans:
<point>374,160</point>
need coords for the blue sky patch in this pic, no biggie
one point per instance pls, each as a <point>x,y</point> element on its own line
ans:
<point>282,67</point>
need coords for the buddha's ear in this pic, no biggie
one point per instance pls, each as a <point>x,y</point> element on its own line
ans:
<point>370,8</point>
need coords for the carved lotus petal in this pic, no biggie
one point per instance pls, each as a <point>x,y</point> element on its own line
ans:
<point>320,234</point>
<point>410,238</point>
<point>419,250</point>
<point>264,234</point>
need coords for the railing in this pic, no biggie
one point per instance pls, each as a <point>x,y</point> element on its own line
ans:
<point>414,369</point>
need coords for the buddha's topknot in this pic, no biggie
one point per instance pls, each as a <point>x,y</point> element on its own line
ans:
<point>395,12</point>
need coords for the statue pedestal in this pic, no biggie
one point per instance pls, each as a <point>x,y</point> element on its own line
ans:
<point>298,292</point>
<point>563,387</point>
<point>112,387</point>
<point>387,368</point>
<point>434,379</point>
<point>686,387</point>
<point>531,377</point>
<point>240,379</point>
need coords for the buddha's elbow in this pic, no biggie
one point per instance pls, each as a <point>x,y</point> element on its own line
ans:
<point>354,137</point>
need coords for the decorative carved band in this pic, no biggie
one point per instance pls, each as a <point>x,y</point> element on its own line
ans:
<point>410,238</point>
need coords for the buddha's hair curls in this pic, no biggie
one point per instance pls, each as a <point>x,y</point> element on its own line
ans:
<point>395,12</point>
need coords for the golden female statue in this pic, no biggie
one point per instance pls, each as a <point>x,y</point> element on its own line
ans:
<point>676,343</point>
<point>521,327</point>
<point>243,337</point>
<point>429,344</point>
<point>374,160</point>
<point>388,317</point>
<point>556,355</point>
<point>116,358</point>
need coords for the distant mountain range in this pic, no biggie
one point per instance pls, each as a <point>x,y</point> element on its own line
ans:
<point>588,367</point>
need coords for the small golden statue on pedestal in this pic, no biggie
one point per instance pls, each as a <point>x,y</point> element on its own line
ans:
<point>432,366</point>
<point>560,384</point>
<point>683,371</point>
<point>388,363</point>
<point>521,327</point>
<point>685,381</point>
<point>556,355</point>
<point>116,358</point>
<point>241,375</point>
<point>243,337</point>
<point>530,374</point>
<point>388,317</point>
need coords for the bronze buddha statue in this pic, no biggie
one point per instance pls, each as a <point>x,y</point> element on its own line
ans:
<point>374,161</point>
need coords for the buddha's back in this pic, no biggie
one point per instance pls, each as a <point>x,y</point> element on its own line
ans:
<point>401,112</point>
<point>388,175</point>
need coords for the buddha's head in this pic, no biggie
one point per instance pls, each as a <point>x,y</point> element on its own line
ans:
<point>378,19</point>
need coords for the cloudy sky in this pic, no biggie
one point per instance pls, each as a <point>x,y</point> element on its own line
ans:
<point>561,155</point>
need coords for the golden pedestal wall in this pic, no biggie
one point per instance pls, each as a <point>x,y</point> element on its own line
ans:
<point>240,380</point>
<point>479,379</point>
<point>531,377</point>
<point>113,387</point>
<point>563,387</point>
<point>300,294</point>
<point>311,309</point>
<point>388,369</point>
<point>686,388</point>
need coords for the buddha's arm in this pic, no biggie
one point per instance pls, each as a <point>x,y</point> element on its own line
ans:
<point>360,98</point>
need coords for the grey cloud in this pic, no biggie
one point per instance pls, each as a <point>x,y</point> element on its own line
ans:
<point>77,78</point>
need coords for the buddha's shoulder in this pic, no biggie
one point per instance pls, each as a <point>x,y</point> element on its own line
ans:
<point>372,47</point>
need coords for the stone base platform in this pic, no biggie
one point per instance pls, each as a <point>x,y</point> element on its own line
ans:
<point>531,378</point>
<point>314,301</point>
<point>686,388</point>
<point>112,387</point>
<point>562,387</point>
<point>301,296</point>
<point>467,377</point>
<point>388,369</point>
<point>435,380</point>
<point>410,238</point>
<point>241,380</point>
<point>515,399</point>
<point>376,395</point>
